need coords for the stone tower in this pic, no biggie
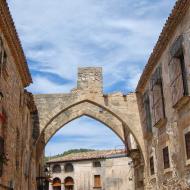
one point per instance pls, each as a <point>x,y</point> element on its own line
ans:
<point>90,79</point>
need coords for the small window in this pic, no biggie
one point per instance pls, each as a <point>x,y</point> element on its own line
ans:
<point>1,155</point>
<point>97,181</point>
<point>152,172</point>
<point>57,168</point>
<point>69,167</point>
<point>1,51</point>
<point>96,164</point>
<point>17,148</point>
<point>187,144</point>
<point>4,65</point>
<point>166,158</point>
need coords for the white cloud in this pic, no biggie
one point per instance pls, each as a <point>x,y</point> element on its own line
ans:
<point>60,35</point>
<point>44,85</point>
<point>88,33</point>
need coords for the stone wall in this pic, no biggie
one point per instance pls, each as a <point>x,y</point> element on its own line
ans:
<point>90,79</point>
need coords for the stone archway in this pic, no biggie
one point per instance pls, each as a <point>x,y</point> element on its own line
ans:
<point>118,118</point>
<point>117,111</point>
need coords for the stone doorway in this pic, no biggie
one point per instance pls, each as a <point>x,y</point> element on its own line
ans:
<point>56,184</point>
<point>69,183</point>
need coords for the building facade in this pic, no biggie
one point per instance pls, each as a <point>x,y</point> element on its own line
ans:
<point>18,114</point>
<point>103,170</point>
<point>164,102</point>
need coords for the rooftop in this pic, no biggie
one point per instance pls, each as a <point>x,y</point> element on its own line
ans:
<point>98,154</point>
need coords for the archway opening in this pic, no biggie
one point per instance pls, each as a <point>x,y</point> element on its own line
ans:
<point>96,146</point>
<point>83,133</point>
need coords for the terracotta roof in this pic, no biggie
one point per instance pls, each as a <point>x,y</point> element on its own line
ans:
<point>171,24</point>
<point>9,31</point>
<point>98,154</point>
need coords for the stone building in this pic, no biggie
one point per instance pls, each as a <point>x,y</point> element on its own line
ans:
<point>18,114</point>
<point>101,170</point>
<point>164,106</point>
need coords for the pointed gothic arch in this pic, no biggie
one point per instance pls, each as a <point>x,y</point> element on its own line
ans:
<point>120,123</point>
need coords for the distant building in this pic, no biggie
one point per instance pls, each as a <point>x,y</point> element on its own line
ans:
<point>102,170</point>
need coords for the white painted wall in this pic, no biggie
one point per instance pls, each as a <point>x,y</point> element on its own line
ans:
<point>115,173</point>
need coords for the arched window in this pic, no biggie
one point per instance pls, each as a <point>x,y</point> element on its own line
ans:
<point>96,164</point>
<point>56,184</point>
<point>56,168</point>
<point>69,183</point>
<point>69,167</point>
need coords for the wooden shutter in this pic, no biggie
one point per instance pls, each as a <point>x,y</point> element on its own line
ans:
<point>157,104</point>
<point>147,121</point>
<point>176,80</point>
<point>166,158</point>
<point>187,144</point>
<point>97,181</point>
<point>27,164</point>
<point>157,97</point>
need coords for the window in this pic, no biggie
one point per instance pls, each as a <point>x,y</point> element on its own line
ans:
<point>166,158</point>
<point>17,148</point>
<point>1,54</point>
<point>1,155</point>
<point>96,164</point>
<point>152,172</point>
<point>69,167</point>
<point>178,76</point>
<point>97,181</point>
<point>147,117</point>
<point>3,60</point>
<point>157,98</point>
<point>187,144</point>
<point>56,168</point>
<point>35,123</point>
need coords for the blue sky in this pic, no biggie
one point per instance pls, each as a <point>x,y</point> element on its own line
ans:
<point>59,36</point>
